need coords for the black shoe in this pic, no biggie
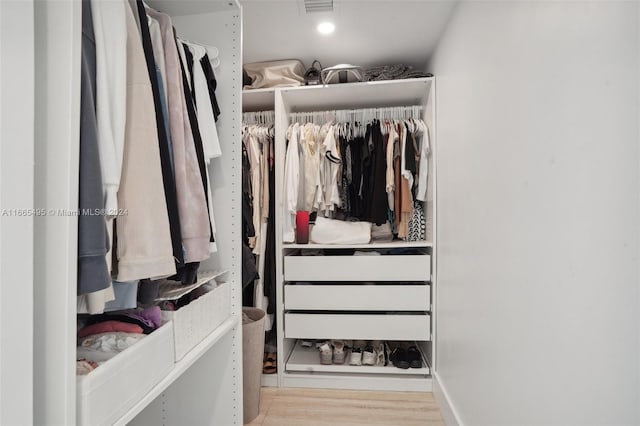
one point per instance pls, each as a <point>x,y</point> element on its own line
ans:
<point>399,358</point>
<point>414,357</point>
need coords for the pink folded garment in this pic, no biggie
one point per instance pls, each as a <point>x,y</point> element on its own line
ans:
<point>109,326</point>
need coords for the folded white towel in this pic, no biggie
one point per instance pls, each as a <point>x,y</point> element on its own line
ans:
<point>330,231</point>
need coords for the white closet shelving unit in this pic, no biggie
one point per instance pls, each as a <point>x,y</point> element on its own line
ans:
<point>390,309</point>
<point>205,386</point>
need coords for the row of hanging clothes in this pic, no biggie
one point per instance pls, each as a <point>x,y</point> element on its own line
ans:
<point>148,135</point>
<point>368,165</point>
<point>258,211</point>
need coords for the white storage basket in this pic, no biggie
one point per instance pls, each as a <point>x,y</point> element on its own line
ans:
<point>108,392</point>
<point>195,321</point>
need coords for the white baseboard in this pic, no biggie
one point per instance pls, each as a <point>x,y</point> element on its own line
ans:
<point>447,409</point>
<point>269,380</point>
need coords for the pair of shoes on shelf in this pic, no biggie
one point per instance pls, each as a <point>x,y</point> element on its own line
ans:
<point>375,353</point>
<point>269,363</point>
<point>364,353</point>
<point>332,352</point>
<point>406,356</point>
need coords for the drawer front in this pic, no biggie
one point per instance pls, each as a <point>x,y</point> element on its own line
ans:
<point>374,297</point>
<point>108,392</point>
<point>368,327</point>
<point>358,268</point>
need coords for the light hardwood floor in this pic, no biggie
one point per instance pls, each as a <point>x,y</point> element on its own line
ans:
<point>328,407</point>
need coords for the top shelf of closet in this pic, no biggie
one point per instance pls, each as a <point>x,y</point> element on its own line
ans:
<point>371,94</point>
<point>392,244</point>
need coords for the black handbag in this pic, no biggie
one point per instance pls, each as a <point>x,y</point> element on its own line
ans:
<point>313,75</point>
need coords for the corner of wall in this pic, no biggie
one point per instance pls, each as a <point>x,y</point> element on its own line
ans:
<point>447,409</point>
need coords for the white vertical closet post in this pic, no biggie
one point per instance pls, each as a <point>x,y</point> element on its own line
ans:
<point>432,210</point>
<point>57,128</point>
<point>210,391</point>
<point>429,117</point>
<point>281,124</point>
<point>16,192</point>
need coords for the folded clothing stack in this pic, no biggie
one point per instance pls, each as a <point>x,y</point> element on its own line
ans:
<point>104,336</point>
<point>330,231</point>
<point>393,72</point>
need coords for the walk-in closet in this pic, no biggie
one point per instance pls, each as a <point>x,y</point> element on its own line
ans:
<point>319,212</point>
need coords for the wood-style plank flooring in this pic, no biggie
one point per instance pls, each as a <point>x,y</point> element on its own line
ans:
<point>328,407</point>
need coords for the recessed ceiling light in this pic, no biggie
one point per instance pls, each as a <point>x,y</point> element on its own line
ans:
<point>326,28</point>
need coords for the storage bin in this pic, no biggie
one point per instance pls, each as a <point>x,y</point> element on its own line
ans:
<point>195,321</point>
<point>108,392</point>
<point>252,353</point>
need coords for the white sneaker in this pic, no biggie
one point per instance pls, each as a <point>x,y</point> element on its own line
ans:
<point>356,357</point>
<point>326,354</point>
<point>368,356</point>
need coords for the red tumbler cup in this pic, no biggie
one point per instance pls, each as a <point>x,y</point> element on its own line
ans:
<point>302,227</point>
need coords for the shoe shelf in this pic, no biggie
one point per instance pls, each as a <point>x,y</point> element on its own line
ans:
<point>307,360</point>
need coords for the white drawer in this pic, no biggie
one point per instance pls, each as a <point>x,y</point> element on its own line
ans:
<point>358,268</point>
<point>369,327</point>
<point>366,297</point>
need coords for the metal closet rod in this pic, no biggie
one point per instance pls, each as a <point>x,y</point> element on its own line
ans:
<point>362,115</point>
<point>259,117</point>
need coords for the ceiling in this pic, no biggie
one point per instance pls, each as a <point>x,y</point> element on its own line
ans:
<point>368,32</point>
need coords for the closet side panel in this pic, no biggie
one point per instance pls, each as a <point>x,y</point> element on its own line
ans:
<point>202,395</point>
<point>16,231</point>
<point>57,100</point>
<point>217,378</point>
<point>223,31</point>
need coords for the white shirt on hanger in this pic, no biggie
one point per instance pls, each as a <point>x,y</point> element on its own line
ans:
<point>390,175</point>
<point>206,120</point>
<point>291,182</point>
<point>332,162</point>
<point>110,31</point>
<point>425,152</point>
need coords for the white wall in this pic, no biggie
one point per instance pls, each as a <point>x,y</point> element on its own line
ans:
<point>538,199</point>
<point>16,198</point>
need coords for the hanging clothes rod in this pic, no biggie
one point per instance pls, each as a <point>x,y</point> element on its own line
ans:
<point>358,115</point>
<point>259,117</point>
